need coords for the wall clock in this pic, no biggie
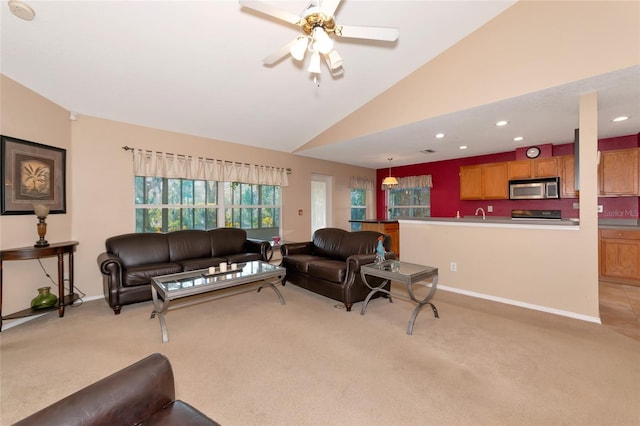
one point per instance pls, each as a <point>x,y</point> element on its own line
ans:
<point>533,152</point>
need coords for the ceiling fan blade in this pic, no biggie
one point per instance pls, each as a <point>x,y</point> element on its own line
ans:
<point>276,56</point>
<point>329,6</point>
<point>371,33</point>
<point>270,10</point>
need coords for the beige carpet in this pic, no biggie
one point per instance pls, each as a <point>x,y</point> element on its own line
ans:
<point>247,360</point>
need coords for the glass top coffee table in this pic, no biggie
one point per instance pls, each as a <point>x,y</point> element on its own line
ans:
<point>406,273</point>
<point>247,276</point>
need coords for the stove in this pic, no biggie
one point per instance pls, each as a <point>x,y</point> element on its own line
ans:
<point>536,214</point>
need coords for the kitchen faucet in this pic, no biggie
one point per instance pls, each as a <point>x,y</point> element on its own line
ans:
<point>480,209</point>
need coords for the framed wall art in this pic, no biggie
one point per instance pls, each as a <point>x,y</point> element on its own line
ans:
<point>32,173</point>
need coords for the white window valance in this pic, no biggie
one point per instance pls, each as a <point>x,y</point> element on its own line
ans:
<point>361,183</point>
<point>167,165</point>
<point>406,182</point>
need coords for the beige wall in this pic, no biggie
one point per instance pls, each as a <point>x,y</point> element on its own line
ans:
<point>100,186</point>
<point>26,115</point>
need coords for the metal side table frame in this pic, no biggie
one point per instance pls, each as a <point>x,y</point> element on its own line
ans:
<point>406,273</point>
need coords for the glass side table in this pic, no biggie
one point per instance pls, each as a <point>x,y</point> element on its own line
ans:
<point>406,273</point>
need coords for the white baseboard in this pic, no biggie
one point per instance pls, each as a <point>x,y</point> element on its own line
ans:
<point>522,304</point>
<point>7,324</point>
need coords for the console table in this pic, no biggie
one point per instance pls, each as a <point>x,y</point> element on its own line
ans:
<point>26,253</point>
<point>406,273</point>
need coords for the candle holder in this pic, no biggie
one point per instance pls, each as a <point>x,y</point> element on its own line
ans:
<point>41,211</point>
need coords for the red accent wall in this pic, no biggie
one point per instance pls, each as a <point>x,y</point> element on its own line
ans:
<point>445,194</point>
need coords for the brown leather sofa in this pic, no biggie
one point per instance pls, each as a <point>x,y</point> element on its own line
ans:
<point>140,394</point>
<point>330,264</point>
<point>131,260</point>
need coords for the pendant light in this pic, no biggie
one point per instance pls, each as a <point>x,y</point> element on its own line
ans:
<point>389,182</point>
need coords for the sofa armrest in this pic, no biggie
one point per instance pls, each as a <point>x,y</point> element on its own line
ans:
<point>355,261</point>
<point>126,397</point>
<point>109,263</point>
<point>296,248</point>
<point>252,245</point>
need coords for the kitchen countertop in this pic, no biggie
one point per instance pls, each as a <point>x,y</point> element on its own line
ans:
<point>507,220</point>
<point>374,221</point>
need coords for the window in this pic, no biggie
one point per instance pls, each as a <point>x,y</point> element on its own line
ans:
<point>409,202</point>
<point>255,208</point>
<point>165,204</point>
<point>358,208</point>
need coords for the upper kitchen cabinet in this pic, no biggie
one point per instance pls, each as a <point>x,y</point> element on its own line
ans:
<point>567,164</point>
<point>619,172</point>
<point>484,182</point>
<point>540,167</point>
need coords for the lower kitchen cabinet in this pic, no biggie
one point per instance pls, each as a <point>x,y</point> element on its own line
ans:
<point>620,256</point>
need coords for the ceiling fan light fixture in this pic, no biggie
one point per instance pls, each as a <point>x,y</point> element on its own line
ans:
<point>314,63</point>
<point>322,41</point>
<point>334,59</point>
<point>299,48</point>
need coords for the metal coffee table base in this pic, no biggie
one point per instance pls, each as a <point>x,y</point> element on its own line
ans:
<point>249,277</point>
<point>409,275</point>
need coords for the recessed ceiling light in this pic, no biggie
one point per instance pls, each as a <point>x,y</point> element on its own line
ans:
<point>502,123</point>
<point>440,135</point>
<point>621,118</point>
<point>518,138</point>
<point>21,10</point>
<point>463,147</point>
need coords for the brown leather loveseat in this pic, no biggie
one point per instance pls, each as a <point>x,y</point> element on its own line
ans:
<point>140,394</point>
<point>131,260</point>
<point>330,264</point>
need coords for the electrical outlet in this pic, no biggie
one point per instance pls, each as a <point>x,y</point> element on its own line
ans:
<point>600,208</point>
<point>453,266</point>
<point>576,206</point>
<point>489,209</point>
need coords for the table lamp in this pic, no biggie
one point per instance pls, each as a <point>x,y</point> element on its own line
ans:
<point>41,211</point>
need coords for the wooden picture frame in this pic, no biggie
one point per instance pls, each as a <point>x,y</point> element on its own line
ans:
<point>31,173</point>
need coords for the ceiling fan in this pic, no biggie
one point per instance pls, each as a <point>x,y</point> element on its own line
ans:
<point>318,24</point>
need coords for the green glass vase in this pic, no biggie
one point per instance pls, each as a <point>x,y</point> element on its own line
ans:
<point>44,299</point>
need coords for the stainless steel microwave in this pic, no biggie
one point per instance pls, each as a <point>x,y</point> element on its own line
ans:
<point>534,189</point>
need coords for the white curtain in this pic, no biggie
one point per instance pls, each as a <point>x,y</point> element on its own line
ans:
<point>368,185</point>
<point>161,164</point>
<point>361,183</point>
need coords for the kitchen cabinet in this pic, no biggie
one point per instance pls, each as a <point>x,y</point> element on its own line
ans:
<point>527,169</point>
<point>619,172</point>
<point>620,256</point>
<point>484,182</point>
<point>566,166</point>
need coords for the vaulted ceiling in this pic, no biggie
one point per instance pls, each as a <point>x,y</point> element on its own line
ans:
<point>195,67</point>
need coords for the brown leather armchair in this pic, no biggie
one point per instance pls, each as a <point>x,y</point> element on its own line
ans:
<point>142,393</point>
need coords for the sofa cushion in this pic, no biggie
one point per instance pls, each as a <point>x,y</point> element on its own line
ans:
<point>139,249</point>
<point>137,275</point>
<point>243,257</point>
<point>299,262</point>
<point>225,241</point>
<point>330,270</point>
<point>326,242</point>
<point>360,242</point>
<point>203,263</point>
<point>188,244</point>
<point>179,413</point>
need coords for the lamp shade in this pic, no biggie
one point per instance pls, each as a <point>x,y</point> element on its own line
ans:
<point>299,48</point>
<point>322,41</point>
<point>314,63</point>
<point>390,181</point>
<point>335,60</point>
